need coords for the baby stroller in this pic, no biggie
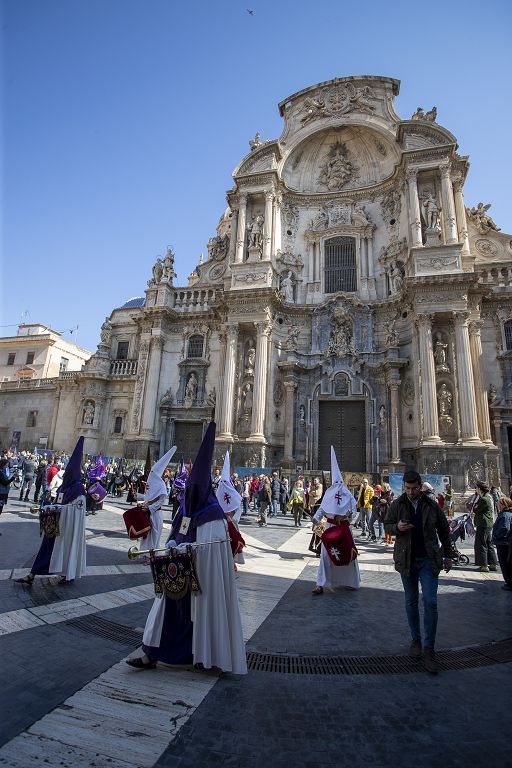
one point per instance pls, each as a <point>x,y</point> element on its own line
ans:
<point>460,527</point>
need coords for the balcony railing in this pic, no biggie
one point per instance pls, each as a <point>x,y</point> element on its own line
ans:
<point>123,368</point>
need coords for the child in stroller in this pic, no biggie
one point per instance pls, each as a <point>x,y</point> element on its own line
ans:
<point>460,527</point>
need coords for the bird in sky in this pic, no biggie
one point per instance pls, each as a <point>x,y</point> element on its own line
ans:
<point>250,11</point>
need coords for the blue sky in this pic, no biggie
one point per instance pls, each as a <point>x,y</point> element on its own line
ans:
<point>123,120</point>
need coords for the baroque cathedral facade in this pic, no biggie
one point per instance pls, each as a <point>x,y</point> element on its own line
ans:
<point>349,298</point>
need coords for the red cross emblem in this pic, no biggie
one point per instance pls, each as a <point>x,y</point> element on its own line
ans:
<point>227,497</point>
<point>337,496</point>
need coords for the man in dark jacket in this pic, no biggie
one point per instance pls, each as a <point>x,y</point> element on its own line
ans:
<point>485,556</point>
<point>29,470</point>
<point>419,525</point>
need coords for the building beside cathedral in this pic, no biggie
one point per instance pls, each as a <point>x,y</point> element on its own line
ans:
<point>349,298</point>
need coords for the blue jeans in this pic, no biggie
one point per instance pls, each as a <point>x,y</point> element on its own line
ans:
<point>421,571</point>
<point>245,505</point>
<point>274,506</point>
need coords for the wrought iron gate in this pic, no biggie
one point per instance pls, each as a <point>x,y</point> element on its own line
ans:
<point>342,424</point>
<point>340,264</point>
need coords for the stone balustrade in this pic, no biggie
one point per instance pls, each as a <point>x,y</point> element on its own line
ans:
<point>123,368</point>
<point>191,299</point>
<point>495,275</point>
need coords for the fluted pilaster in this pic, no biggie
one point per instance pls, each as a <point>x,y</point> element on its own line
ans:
<point>428,380</point>
<point>260,381</point>
<point>466,385</point>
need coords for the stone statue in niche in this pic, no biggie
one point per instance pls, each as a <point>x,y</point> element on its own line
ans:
<point>359,216</point>
<point>247,399</point>
<point>88,416</point>
<point>492,395</point>
<point>430,211</point>
<point>481,219</point>
<point>255,231</point>
<point>106,332</point>
<point>302,414</point>
<point>340,341</point>
<point>286,291</point>
<point>392,337</point>
<point>440,348</point>
<point>396,277</point>
<point>250,359</point>
<point>444,398</point>
<point>382,415</point>
<point>212,397</point>
<point>337,169</point>
<point>157,271</point>
<point>190,391</point>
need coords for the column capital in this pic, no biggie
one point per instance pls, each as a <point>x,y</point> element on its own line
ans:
<point>445,169</point>
<point>394,383</point>
<point>461,318</point>
<point>424,320</point>
<point>231,330</point>
<point>242,199</point>
<point>263,327</point>
<point>157,342</point>
<point>475,326</point>
<point>269,195</point>
<point>411,174</point>
<point>290,385</point>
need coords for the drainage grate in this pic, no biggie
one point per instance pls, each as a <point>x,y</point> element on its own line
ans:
<point>118,633</point>
<point>465,658</point>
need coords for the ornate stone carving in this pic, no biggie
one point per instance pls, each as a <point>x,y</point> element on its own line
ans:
<point>391,205</point>
<point>168,272</point>
<point>252,277</point>
<point>430,210</point>
<point>292,339</point>
<point>217,271</point>
<point>486,247</point>
<point>218,247</point>
<point>256,142</point>
<point>139,385</point>
<point>337,100</point>
<point>247,397</point>
<point>250,359</point>
<point>359,216</point>
<point>167,398</point>
<point>341,386</point>
<point>392,338</point>
<point>278,392</point>
<point>481,219</point>
<point>339,214</point>
<point>337,169</point>
<point>408,392</point>
<point>440,349</point>
<point>320,221</point>
<point>396,274</point>
<point>290,218</point>
<point>211,398</point>
<point>290,260</point>
<point>429,117</point>
<point>492,395</point>
<point>341,335</point>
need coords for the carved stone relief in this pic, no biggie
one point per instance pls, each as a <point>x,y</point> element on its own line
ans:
<point>337,169</point>
<point>337,100</point>
<point>481,219</point>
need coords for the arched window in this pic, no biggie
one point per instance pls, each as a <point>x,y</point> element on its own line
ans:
<point>508,335</point>
<point>195,346</point>
<point>340,264</point>
<point>118,425</point>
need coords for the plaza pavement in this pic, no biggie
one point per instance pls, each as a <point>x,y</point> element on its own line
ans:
<point>68,698</point>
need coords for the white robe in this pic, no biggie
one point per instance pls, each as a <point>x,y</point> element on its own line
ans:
<point>217,638</point>
<point>330,575</point>
<point>69,551</point>
<point>152,540</point>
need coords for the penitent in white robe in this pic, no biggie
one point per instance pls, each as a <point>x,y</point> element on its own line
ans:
<point>330,575</point>
<point>69,551</point>
<point>217,638</point>
<point>152,540</point>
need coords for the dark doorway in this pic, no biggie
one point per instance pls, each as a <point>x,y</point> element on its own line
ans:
<point>342,424</point>
<point>188,436</point>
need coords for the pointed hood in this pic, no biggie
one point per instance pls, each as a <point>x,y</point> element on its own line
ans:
<point>337,499</point>
<point>72,486</point>
<point>155,485</point>
<point>180,479</point>
<point>98,471</point>
<point>200,500</point>
<point>143,478</point>
<point>227,495</point>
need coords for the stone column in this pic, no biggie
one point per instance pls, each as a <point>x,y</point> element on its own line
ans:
<point>395,423</point>
<point>482,404</point>
<point>240,229</point>
<point>363,257</point>
<point>260,382</point>
<point>232,241</point>
<point>466,385</point>
<point>226,415</point>
<point>450,224</point>
<point>428,380</point>
<point>267,225</point>
<point>289,387</point>
<point>277,223</point>
<point>499,444</point>
<point>369,255</point>
<point>163,433</point>
<point>152,380</point>
<point>460,212</point>
<point>414,208</point>
<point>138,394</point>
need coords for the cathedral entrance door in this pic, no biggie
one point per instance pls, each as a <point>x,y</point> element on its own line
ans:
<point>188,436</point>
<point>342,425</point>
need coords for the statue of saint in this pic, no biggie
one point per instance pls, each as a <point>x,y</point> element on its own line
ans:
<point>88,417</point>
<point>287,287</point>
<point>255,230</point>
<point>247,399</point>
<point>440,354</point>
<point>168,268</point>
<point>430,211</point>
<point>157,270</point>
<point>395,277</point>
<point>191,390</point>
<point>444,397</point>
<point>249,361</point>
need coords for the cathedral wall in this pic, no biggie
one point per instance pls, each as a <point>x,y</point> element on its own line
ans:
<point>16,407</point>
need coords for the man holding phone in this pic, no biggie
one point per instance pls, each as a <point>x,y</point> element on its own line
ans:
<point>419,524</point>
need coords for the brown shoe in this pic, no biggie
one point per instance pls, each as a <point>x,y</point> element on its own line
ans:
<point>415,649</point>
<point>492,568</point>
<point>318,591</point>
<point>430,661</point>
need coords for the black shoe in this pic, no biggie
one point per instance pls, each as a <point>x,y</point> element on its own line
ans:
<point>430,661</point>
<point>139,663</point>
<point>415,649</point>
